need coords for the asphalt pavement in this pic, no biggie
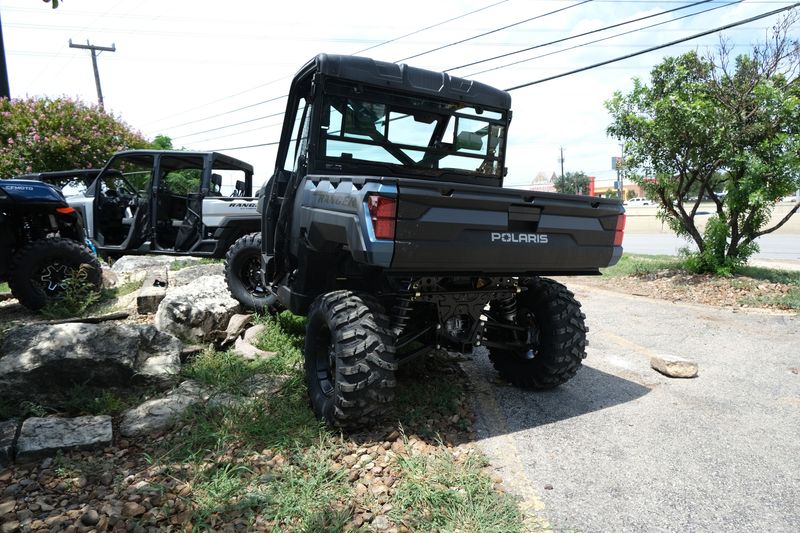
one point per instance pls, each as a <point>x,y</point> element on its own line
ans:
<point>623,448</point>
<point>772,246</point>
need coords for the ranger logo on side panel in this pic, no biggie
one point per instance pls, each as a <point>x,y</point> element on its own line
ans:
<point>526,238</point>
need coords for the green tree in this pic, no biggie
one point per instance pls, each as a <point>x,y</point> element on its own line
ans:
<point>42,134</point>
<point>630,193</point>
<point>162,142</point>
<point>572,183</point>
<point>706,124</point>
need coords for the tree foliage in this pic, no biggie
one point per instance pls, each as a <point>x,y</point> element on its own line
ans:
<point>708,124</point>
<point>572,183</point>
<point>43,134</point>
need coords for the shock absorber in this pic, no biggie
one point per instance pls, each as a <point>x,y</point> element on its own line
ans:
<point>401,314</point>
<point>506,308</point>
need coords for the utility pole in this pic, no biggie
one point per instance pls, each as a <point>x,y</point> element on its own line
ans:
<point>94,49</point>
<point>5,91</point>
<point>561,160</point>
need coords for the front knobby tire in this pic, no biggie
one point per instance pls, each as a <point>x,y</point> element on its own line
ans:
<point>39,269</point>
<point>243,275</point>
<point>555,340</point>
<point>349,359</point>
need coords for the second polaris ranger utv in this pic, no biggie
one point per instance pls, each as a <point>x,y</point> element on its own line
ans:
<point>386,223</point>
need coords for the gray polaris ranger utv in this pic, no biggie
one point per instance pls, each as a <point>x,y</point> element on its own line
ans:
<point>386,224</point>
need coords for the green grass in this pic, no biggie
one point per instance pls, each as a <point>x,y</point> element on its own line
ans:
<point>436,493</point>
<point>304,492</point>
<point>790,300</point>
<point>183,263</point>
<point>640,264</point>
<point>4,287</point>
<point>78,400</point>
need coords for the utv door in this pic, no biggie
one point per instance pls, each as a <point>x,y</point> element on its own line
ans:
<point>121,203</point>
<point>178,202</point>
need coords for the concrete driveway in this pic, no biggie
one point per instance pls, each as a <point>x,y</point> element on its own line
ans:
<point>623,448</point>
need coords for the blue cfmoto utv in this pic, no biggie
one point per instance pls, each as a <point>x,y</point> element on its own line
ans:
<point>42,243</point>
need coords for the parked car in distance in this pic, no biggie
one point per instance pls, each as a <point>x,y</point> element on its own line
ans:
<point>638,201</point>
<point>790,198</point>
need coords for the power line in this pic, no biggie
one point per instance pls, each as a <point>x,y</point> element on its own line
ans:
<point>612,26</point>
<point>358,52</point>
<point>602,39</point>
<point>259,128</point>
<point>244,147</point>
<point>610,61</point>
<point>228,125</point>
<point>226,113</point>
<point>658,47</point>
<point>430,27</point>
<point>448,45</point>
<point>552,42</point>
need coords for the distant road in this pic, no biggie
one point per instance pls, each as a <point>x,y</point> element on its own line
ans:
<point>773,245</point>
<point>645,234</point>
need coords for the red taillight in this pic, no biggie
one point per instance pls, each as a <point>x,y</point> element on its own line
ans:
<point>383,211</point>
<point>619,231</point>
<point>65,210</point>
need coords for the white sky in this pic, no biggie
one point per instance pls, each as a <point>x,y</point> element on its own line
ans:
<point>178,62</point>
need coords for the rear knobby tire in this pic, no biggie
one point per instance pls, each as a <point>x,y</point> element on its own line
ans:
<point>555,320</point>
<point>38,268</point>
<point>349,359</point>
<point>243,275</point>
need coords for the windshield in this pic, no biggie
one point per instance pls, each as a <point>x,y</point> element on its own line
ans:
<point>412,132</point>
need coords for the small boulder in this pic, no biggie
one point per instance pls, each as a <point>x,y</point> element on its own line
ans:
<point>41,357</point>
<point>160,414</point>
<point>109,278</point>
<point>186,275</point>
<point>197,311</point>
<point>244,345</point>
<point>674,366</point>
<point>43,437</point>
<point>264,384</point>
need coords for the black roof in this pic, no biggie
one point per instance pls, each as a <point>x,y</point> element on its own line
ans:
<point>225,162</point>
<point>409,79</point>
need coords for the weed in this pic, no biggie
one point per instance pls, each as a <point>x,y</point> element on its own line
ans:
<point>638,265</point>
<point>4,287</point>
<point>788,300</point>
<point>304,492</point>
<point>217,489</point>
<point>77,296</point>
<point>225,371</point>
<point>436,493</point>
<point>183,263</point>
<point>85,400</point>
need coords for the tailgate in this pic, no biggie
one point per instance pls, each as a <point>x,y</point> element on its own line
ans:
<point>464,228</point>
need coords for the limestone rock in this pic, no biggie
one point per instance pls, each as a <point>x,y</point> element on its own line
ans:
<point>674,366</point>
<point>8,434</point>
<point>109,278</point>
<point>153,291</point>
<point>244,345</point>
<point>236,327</point>
<point>198,310</point>
<point>41,357</point>
<point>160,414</point>
<point>43,437</point>
<point>264,385</point>
<point>186,275</point>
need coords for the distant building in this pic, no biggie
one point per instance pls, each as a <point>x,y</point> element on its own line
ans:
<point>543,182</point>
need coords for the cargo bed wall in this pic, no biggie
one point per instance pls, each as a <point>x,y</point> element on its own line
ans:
<point>454,227</point>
